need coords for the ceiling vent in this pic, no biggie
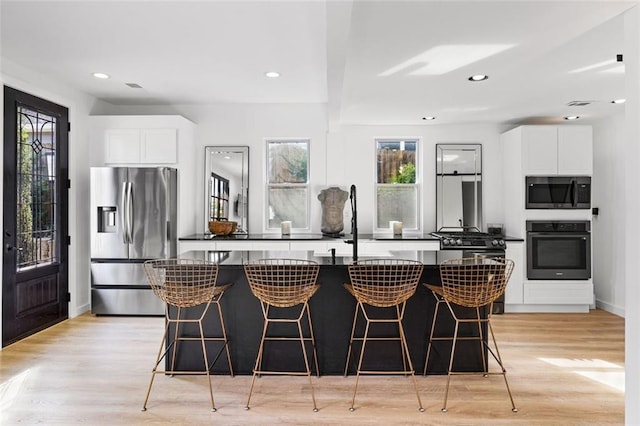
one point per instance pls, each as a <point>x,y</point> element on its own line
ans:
<point>579,103</point>
<point>134,85</point>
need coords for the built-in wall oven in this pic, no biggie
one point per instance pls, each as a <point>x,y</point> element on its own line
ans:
<point>558,250</point>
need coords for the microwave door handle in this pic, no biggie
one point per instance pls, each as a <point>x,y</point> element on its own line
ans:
<point>559,234</point>
<point>574,191</point>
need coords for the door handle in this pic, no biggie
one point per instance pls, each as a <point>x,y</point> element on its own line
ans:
<point>130,212</point>
<point>10,248</point>
<point>123,213</point>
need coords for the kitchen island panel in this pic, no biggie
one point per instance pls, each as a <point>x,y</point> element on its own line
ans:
<point>332,310</point>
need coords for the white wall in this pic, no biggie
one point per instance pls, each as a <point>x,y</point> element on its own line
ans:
<point>631,207</point>
<point>79,106</point>
<point>608,227</point>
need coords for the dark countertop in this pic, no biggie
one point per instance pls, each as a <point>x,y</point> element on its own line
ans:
<point>317,237</point>
<point>306,237</point>
<point>239,258</point>
<point>258,237</point>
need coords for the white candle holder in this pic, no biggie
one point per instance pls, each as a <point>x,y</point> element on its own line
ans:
<point>397,227</point>
<point>285,227</point>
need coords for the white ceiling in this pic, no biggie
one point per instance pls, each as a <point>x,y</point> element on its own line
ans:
<point>372,62</point>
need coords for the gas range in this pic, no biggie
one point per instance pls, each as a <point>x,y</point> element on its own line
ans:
<point>469,240</point>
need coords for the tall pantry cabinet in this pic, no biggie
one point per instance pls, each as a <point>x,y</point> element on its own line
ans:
<point>543,150</point>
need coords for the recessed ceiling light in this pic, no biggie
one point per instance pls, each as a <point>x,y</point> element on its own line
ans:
<point>272,74</point>
<point>429,117</point>
<point>571,117</point>
<point>100,75</point>
<point>618,101</point>
<point>226,157</point>
<point>478,77</point>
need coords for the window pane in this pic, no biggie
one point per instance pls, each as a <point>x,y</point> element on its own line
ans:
<point>288,203</point>
<point>288,162</point>
<point>396,161</point>
<point>35,189</point>
<point>397,202</point>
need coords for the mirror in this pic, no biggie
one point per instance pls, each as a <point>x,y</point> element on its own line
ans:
<point>227,185</point>
<point>459,186</point>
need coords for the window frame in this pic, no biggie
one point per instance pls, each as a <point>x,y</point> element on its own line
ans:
<point>417,185</point>
<point>221,195</point>
<point>306,185</point>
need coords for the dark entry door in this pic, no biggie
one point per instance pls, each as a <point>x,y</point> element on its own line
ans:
<point>35,215</point>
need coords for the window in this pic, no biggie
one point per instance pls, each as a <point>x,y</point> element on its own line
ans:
<point>219,191</point>
<point>397,188</point>
<point>288,183</point>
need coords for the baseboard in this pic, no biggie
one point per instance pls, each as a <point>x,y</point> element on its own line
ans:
<point>616,310</point>
<point>534,308</point>
<point>79,310</point>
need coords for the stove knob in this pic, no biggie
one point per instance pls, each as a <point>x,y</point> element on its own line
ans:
<point>459,242</point>
<point>494,242</point>
<point>445,242</point>
<point>501,242</point>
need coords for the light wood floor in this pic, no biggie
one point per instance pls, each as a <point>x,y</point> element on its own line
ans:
<point>95,371</point>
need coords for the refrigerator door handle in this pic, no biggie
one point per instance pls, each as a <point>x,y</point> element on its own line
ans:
<point>130,212</point>
<point>123,213</point>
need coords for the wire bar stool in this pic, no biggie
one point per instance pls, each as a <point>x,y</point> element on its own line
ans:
<point>382,283</point>
<point>181,284</point>
<point>471,283</point>
<point>284,283</point>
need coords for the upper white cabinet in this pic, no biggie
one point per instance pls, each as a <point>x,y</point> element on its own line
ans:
<point>575,150</point>
<point>159,146</point>
<point>557,150</point>
<point>540,150</point>
<point>142,140</point>
<point>122,146</point>
<point>141,146</point>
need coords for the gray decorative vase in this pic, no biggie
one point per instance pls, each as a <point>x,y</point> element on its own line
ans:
<point>332,200</point>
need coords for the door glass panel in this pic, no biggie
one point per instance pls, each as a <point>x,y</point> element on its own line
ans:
<point>36,186</point>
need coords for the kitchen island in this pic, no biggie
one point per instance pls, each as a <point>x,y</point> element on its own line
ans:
<point>332,310</point>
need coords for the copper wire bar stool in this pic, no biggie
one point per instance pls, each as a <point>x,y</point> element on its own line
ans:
<point>284,283</point>
<point>471,283</point>
<point>382,283</point>
<point>186,283</point>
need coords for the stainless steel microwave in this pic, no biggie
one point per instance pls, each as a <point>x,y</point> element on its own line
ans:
<point>558,192</point>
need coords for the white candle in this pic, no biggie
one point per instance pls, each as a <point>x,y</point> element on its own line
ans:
<point>397,228</point>
<point>285,227</point>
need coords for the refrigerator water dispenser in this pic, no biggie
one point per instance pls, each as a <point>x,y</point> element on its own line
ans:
<point>107,219</point>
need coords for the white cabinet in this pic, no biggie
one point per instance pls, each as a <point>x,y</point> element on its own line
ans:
<point>141,146</point>
<point>541,292</point>
<point>540,150</point>
<point>514,293</point>
<point>122,146</point>
<point>575,150</point>
<point>557,150</point>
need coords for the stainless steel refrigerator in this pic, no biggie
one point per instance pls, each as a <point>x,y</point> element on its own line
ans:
<point>133,219</point>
